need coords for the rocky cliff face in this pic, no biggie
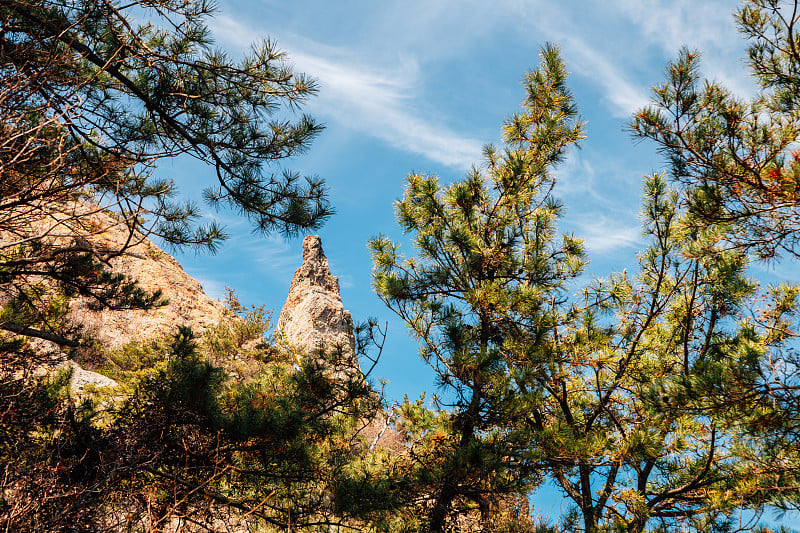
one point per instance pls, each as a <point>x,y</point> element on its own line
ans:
<point>154,269</point>
<point>313,317</point>
<point>142,260</point>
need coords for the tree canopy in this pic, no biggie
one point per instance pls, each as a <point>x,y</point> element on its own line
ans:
<point>663,398</point>
<point>94,96</point>
<point>660,400</point>
<point>737,158</point>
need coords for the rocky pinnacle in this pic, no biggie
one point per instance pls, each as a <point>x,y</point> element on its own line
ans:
<point>313,317</point>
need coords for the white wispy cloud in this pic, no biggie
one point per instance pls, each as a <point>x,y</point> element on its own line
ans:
<point>670,23</point>
<point>778,272</point>
<point>346,281</point>
<point>271,259</point>
<point>603,234</point>
<point>379,101</point>
<point>624,95</point>
<point>610,50</point>
<point>275,256</point>
<point>588,54</point>
<point>576,176</point>
<point>707,27</point>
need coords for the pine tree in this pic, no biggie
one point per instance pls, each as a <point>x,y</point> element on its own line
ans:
<point>490,271</point>
<point>648,393</point>
<point>93,96</point>
<point>738,167</point>
<point>184,444</point>
<point>636,396</point>
<point>736,157</point>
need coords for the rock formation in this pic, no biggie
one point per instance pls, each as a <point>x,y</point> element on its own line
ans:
<point>142,260</point>
<point>313,317</point>
<point>153,269</point>
<point>83,379</point>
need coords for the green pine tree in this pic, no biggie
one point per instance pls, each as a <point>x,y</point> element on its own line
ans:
<point>490,273</point>
<point>636,397</point>
<point>94,96</point>
<point>737,157</point>
<point>738,167</point>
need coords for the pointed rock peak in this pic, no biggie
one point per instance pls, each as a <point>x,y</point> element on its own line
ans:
<point>312,249</point>
<point>313,316</point>
<point>314,270</point>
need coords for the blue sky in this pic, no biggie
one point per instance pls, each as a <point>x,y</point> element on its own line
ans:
<point>422,85</point>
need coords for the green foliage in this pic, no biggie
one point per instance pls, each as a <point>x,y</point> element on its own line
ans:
<point>736,158</point>
<point>490,272</point>
<point>95,95</point>
<point>275,450</point>
<point>236,343</point>
<point>135,359</point>
<point>286,436</point>
<point>240,327</point>
<point>48,454</point>
<point>638,398</point>
<point>663,352</point>
<point>56,385</point>
<point>737,164</point>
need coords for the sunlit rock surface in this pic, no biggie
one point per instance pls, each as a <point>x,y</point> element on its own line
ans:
<point>313,317</point>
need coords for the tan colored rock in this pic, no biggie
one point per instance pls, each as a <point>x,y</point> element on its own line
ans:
<point>83,379</point>
<point>141,260</point>
<point>154,269</point>
<point>313,317</point>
